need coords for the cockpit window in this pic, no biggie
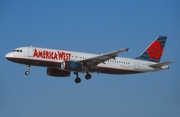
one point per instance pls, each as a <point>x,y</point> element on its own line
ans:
<point>17,50</point>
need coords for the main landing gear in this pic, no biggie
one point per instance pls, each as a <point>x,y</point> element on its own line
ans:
<point>78,80</point>
<point>27,71</point>
<point>88,76</point>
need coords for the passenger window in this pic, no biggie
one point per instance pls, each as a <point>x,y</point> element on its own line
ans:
<point>20,50</point>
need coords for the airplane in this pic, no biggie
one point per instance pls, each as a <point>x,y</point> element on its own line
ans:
<point>60,63</point>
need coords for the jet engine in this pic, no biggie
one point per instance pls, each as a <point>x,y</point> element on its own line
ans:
<point>57,72</point>
<point>72,66</point>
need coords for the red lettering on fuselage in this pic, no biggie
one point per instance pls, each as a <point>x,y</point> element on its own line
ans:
<point>54,55</point>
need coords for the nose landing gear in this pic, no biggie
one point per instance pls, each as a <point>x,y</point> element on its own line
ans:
<point>28,68</point>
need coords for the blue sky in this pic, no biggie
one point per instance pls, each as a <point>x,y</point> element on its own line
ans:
<point>95,27</point>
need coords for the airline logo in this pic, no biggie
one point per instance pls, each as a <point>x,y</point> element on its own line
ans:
<point>54,55</point>
<point>73,65</point>
<point>155,51</point>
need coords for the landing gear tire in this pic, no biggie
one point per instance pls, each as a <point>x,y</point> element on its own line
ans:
<point>28,68</point>
<point>27,72</point>
<point>88,76</point>
<point>77,80</point>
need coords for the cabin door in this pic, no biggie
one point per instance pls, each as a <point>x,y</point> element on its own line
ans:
<point>30,52</point>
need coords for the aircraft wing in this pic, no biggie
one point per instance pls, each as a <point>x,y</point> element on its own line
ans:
<point>94,61</point>
<point>160,64</point>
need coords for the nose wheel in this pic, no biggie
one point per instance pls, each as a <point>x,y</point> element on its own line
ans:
<point>28,68</point>
<point>27,72</point>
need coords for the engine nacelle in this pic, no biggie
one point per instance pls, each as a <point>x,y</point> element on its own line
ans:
<point>57,72</point>
<point>71,65</point>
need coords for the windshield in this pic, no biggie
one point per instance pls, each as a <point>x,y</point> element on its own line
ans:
<point>17,50</point>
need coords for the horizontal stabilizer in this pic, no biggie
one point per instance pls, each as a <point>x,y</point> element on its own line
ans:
<point>160,64</point>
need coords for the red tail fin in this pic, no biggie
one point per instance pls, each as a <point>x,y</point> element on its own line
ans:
<point>155,50</point>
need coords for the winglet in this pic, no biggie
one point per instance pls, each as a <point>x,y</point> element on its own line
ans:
<point>127,49</point>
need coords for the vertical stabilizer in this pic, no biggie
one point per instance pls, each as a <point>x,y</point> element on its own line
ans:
<point>154,51</point>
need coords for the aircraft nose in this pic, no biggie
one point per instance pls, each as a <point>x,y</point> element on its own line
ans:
<point>8,55</point>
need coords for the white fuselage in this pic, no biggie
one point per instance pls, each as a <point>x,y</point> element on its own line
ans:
<point>53,58</point>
